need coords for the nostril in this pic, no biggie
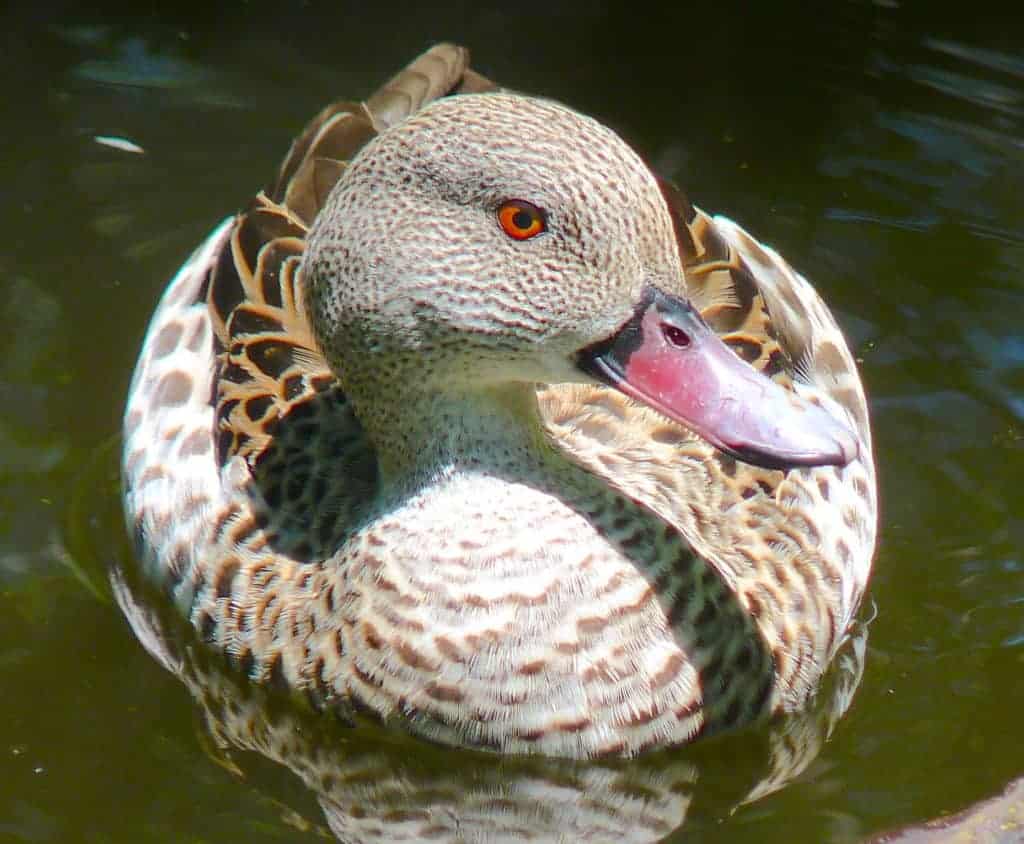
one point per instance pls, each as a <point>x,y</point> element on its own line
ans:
<point>675,335</point>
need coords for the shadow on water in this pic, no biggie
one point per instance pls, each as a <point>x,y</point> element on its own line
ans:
<point>877,146</point>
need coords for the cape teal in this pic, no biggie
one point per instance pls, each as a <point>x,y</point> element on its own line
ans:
<point>472,422</point>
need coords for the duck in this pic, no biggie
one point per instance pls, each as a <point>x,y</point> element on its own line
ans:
<point>472,423</point>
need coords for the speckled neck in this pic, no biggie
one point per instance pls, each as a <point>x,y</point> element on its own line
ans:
<point>419,434</point>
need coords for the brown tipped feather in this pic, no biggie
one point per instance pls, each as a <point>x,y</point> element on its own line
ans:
<point>337,138</point>
<point>428,77</point>
<point>332,115</point>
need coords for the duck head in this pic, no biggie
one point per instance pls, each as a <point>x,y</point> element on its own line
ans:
<point>496,239</point>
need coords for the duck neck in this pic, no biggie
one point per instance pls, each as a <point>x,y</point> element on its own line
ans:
<point>494,430</point>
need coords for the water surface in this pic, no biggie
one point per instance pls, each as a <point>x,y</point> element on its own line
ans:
<point>879,148</point>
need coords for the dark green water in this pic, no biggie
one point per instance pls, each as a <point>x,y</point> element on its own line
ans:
<point>880,148</point>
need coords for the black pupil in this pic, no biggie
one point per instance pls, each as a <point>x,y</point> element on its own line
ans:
<point>676,336</point>
<point>522,219</point>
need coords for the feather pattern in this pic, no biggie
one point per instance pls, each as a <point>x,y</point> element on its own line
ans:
<point>251,507</point>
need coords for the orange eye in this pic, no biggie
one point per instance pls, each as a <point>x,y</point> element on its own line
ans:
<point>521,220</point>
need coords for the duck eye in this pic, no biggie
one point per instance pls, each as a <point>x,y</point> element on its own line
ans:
<point>675,336</point>
<point>521,220</point>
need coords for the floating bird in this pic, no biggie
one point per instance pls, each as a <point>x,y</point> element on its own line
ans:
<point>471,421</point>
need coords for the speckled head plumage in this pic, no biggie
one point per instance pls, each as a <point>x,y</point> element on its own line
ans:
<point>426,263</point>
